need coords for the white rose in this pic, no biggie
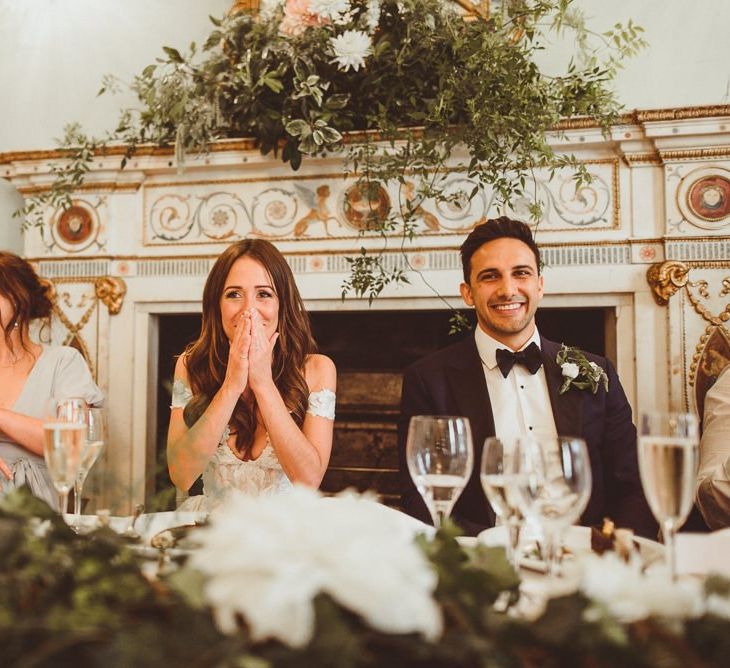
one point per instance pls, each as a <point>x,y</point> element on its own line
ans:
<point>266,559</point>
<point>631,595</point>
<point>570,370</point>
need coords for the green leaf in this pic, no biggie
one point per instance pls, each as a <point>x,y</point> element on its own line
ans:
<point>173,54</point>
<point>298,127</point>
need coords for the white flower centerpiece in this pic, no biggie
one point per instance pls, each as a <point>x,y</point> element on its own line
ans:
<point>267,558</point>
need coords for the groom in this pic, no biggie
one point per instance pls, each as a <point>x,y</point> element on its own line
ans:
<point>517,395</point>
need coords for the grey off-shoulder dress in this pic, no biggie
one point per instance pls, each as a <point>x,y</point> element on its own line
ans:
<point>59,372</point>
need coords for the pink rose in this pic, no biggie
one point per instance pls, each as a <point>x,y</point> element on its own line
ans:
<point>297,18</point>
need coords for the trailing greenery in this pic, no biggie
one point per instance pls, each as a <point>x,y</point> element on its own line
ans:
<point>77,600</point>
<point>428,92</point>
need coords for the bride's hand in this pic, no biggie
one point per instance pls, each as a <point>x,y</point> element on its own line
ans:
<point>237,371</point>
<point>261,351</point>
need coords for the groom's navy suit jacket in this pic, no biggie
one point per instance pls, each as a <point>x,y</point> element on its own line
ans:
<point>451,382</point>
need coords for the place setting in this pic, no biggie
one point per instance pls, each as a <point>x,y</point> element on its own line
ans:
<point>539,487</point>
<point>74,436</point>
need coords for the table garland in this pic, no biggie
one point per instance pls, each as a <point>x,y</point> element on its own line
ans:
<point>67,599</point>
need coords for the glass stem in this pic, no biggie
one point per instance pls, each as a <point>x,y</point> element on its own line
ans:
<point>63,498</point>
<point>550,553</point>
<point>78,486</point>
<point>668,535</point>
<point>513,540</point>
<point>439,514</point>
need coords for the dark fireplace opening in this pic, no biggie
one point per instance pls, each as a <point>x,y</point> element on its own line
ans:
<point>371,349</point>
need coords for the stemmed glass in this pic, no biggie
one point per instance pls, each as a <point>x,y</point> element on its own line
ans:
<point>499,474</point>
<point>440,457</point>
<point>554,487</point>
<point>668,460</point>
<point>64,437</point>
<point>95,438</point>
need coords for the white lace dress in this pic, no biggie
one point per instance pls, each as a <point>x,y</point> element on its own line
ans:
<point>226,472</point>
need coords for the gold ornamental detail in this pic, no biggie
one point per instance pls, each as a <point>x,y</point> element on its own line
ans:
<point>108,290</point>
<point>701,310</point>
<point>111,290</point>
<point>666,278</point>
<point>712,152</point>
<point>244,6</point>
<point>710,360</point>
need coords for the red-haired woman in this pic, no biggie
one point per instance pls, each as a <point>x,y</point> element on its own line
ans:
<point>252,405</point>
<point>30,374</point>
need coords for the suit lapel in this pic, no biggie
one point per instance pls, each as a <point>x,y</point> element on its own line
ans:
<point>567,408</point>
<point>469,389</point>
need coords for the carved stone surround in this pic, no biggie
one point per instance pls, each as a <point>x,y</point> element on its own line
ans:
<point>659,203</point>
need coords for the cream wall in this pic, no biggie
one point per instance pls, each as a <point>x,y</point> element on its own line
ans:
<point>53,54</point>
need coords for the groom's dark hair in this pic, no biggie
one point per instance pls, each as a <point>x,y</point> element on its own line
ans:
<point>496,228</point>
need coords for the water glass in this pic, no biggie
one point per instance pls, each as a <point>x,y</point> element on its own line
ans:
<point>554,488</point>
<point>64,437</point>
<point>95,439</point>
<point>499,475</point>
<point>440,457</point>
<point>668,460</point>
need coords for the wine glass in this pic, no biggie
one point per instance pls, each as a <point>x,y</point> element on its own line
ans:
<point>440,457</point>
<point>95,438</point>
<point>668,460</point>
<point>64,437</point>
<point>554,487</point>
<point>499,473</point>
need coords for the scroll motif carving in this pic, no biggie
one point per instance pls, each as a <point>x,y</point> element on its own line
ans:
<point>111,291</point>
<point>666,278</point>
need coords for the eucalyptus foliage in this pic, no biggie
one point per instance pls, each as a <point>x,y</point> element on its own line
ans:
<point>433,87</point>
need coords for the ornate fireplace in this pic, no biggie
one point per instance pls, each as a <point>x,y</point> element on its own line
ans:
<point>138,244</point>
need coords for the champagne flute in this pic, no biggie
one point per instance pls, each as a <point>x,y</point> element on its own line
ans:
<point>440,457</point>
<point>668,460</point>
<point>95,438</point>
<point>554,487</point>
<point>64,436</point>
<point>499,475</point>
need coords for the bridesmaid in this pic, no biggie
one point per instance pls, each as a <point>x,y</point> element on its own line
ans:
<point>31,374</point>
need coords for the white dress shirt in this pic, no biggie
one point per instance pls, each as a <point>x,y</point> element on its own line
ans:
<point>521,402</point>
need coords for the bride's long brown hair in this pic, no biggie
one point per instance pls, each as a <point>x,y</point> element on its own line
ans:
<point>206,359</point>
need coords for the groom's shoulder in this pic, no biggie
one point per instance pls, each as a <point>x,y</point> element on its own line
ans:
<point>553,348</point>
<point>451,355</point>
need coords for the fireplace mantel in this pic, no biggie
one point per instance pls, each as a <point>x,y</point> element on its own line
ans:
<point>139,243</point>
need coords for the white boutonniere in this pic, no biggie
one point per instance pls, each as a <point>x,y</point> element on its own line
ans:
<point>578,371</point>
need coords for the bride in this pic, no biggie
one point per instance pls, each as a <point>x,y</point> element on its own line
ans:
<point>252,404</point>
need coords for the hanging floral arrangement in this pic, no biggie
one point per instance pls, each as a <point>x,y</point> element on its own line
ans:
<point>400,88</point>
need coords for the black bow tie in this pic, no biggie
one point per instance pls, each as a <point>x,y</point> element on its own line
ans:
<point>530,357</point>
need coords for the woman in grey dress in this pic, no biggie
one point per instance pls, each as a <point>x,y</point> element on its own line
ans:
<point>30,374</point>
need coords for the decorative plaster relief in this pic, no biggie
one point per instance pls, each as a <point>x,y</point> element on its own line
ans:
<point>76,312</point>
<point>328,206</point>
<point>697,199</point>
<point>703,197</point>
<point>77,228</point>
<point>705,340</point>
